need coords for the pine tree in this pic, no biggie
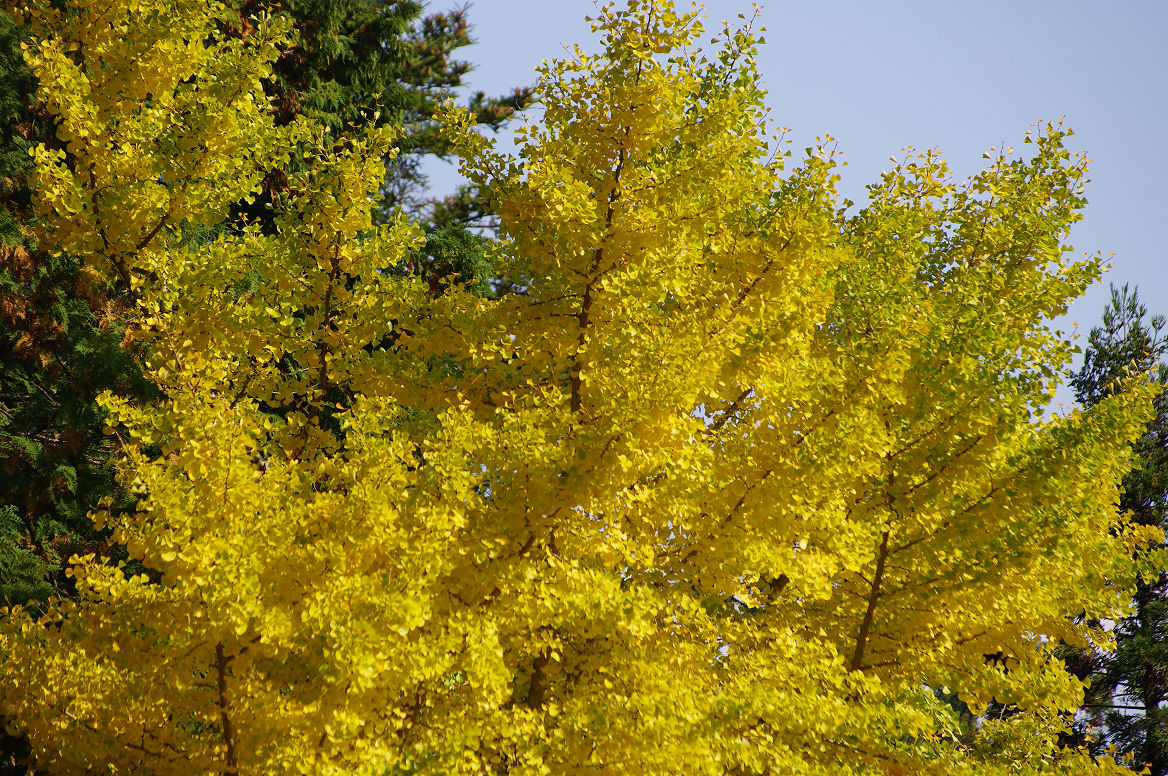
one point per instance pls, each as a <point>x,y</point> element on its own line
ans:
<point>1124,707</point>
<point>731,487</point>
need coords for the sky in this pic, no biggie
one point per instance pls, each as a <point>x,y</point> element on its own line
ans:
<point>957,76</point>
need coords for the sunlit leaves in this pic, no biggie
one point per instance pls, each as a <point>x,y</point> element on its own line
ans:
<point>731,484</point>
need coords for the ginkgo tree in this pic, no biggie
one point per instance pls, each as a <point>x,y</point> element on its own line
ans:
<point>735,483</point>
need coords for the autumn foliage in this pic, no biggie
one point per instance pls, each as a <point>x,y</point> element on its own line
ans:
<point>738,480</point>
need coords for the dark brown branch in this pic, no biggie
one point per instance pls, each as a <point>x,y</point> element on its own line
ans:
<point>728,413</point>
<point>152,233</point>
<point>228,728</point>
<point>539,683</point>
<point>584,317</point>
<point>869,613</point>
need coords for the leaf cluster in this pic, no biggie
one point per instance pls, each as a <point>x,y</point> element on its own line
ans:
<point>738,481</point>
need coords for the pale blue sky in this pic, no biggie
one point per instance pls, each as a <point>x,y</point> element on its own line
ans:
<point>959,76</point>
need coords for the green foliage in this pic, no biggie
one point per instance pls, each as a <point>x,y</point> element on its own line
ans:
<point>20,128</point>
<point>453,254</point>
<point>24,572</point>
<point>1124,707</point>
<point>57,356</point>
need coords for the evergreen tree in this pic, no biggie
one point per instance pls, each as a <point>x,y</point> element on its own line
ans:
<point>1125,705</point>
